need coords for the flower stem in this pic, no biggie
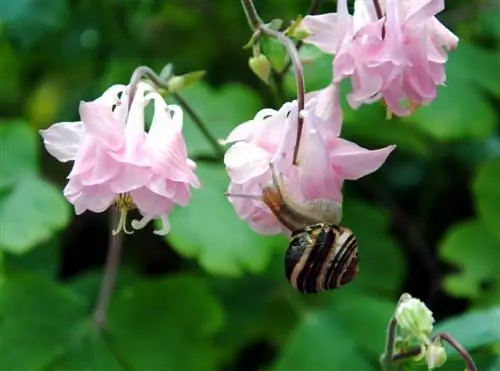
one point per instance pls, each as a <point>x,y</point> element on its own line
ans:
<point>258,26</point>
<point>378,9</point>
<point>390,340</point>
<point>313,9</point>
<point>460,350</point>
<point>108,281</point>
<point>200,124</point>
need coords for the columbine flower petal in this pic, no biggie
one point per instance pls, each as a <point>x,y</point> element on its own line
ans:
<point>352,162</point>
<point>62,140</point>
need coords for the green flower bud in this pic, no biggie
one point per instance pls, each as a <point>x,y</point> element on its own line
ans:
<point>414,317</point>
<point>435,355</point>
<point>177,83</point>
<point>261,66</point>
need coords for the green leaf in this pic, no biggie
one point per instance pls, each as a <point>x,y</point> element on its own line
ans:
<point>40,319</point>
<point>381,262</point>
<point>369,332</point>
<point>486,64</point>
<point>460,111</point>
<point>210,230</point>
<point>487,194</point>
<point>30,214</point>
<point>317,68</point>
<point>43,260</point>
<point>221,110</point>
<point>472,248</point>
<point>474,329</point>
<point>166,325</point>
<point>29,20</point>
<point>18,152</point>
<point>319,343</point>
<point>89,352</point>
<point>275,52</point>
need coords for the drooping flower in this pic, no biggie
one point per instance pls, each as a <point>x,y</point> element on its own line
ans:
<point>116,162</point>
<point>324,160</point>
<point>399,57</point>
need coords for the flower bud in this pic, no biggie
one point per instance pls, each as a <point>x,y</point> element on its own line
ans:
<point>435,355</point>
<point>261,67</point>
<point>177,83</point>
<point>297,30</point>
<point>414,317</point>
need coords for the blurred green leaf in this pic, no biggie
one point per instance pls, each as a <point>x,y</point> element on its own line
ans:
<point>18,152</point>
<point>210,230</point>
<point>381,262</point>
<point>89,352</point>
<point>488,21</point>
<point>40,319</point>
<point>487,194</point>
<point>317,68</point>
<point>474,250</point>
<point>460,111</point>
<point>486,64</point>
<point>319,343</point>
<point>275,52</point>
<point>30,214</point>
<point>166,324</point>
<point>474,329</point>
<point>43,260</point>
<point>221,110</point>
<point>368,331</point>
<point>29,20</point>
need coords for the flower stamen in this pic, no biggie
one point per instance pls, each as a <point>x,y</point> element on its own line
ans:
<point>124,203</point>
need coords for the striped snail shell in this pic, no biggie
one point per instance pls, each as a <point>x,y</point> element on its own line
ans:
<point>321,257</point>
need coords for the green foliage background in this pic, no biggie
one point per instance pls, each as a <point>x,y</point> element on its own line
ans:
<point>213,296</point>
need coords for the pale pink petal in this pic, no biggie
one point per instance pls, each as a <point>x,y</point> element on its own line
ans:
<point>135,135</point>
<point>103,170</point>
<point>96,198</point>
<point>315,171</point>
<point>364,13</point>
<point>165,144</point>
<point>443,35</point>
<point>151,203</point>
<point>324,31</point>
<point>352,162</point>
<point>110,97</point>
<point>85,157</point>
<point>245,161</point>
<point>325,104</point>
<point>63,139</point>
<point>422,11</point>
<point>130,177</point>
<point>99,122</point>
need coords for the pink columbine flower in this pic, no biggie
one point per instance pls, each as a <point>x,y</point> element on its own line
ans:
<point>116,162</point>
<point>324,159</point>
<point>399,57</point>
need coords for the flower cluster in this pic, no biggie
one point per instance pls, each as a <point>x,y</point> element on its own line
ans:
<point>394,51</point>
<point>117,162</point>
<point>390,49</point>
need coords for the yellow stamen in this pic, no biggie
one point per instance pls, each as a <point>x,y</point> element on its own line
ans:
<point>124,203</point>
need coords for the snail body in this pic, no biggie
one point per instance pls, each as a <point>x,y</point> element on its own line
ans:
<point>321,255</point>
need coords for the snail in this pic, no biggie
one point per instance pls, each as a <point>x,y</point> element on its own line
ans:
<point>321,254</point>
